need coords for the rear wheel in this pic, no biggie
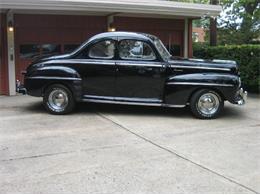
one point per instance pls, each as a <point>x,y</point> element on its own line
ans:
<point>58,99</point>
<point>206,104</point>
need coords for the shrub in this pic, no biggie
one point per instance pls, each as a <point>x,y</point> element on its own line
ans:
<point>247,56</point>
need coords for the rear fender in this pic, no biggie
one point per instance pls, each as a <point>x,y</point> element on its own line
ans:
<point>36,81</point>
<point>55,71</point>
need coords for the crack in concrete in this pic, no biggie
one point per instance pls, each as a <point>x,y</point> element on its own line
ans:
<point>176,154</point>
<point>60,153</point>
<point>36,156</point>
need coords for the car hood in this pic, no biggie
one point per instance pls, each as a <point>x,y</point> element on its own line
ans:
<point>207,64</point>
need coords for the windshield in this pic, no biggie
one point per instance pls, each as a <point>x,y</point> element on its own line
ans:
<point>161,48</point>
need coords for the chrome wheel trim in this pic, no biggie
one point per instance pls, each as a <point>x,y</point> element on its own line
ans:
<point>208,103</point>
<point>58,100</point>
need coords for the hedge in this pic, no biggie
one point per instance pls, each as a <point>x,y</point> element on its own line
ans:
<point>247,56</point>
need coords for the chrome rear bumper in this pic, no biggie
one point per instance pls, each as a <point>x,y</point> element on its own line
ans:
<point>20,88</point>
<point>241,97</point>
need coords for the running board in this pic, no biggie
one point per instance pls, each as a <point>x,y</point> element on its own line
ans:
<point>131,103</point>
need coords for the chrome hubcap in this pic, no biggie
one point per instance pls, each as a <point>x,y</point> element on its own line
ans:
<point>58,100</point>
<point>208,103</point>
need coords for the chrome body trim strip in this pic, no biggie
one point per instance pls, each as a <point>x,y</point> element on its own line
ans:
<point>173,106</point>
<point>55,78</point>
<point>200,67</point>
<point>98,97</point>
<point>135,64</point>
<point>114,62</point>
<point>81,61</point>
<point>101,62</point>
<point>204,84</point>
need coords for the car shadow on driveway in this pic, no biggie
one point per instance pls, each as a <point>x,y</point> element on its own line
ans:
<point>133,110</point>
<point>229,111</point>
<point>83,108</point>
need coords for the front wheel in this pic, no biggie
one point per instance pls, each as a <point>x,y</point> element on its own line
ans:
<point>58,99</point>
<point>206,104</point>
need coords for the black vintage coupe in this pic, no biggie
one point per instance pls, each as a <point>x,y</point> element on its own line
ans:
<point>134,69</point>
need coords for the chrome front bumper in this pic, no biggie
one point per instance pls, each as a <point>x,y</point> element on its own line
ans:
<point>241,97</point>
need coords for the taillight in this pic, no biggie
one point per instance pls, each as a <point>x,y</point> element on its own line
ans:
<point>23,72</point>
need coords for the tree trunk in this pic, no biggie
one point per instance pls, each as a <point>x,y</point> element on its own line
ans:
<point>213,27</point>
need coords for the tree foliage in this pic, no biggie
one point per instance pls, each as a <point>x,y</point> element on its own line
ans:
<point>240,23</point>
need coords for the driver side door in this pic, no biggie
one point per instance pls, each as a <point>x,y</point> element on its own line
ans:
<point>140,74</point>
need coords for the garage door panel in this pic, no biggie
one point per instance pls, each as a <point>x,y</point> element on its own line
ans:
<point>26,35</point>
<point>47,35</point>
<point>52,31</point>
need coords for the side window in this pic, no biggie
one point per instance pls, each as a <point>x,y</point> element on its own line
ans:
<point>29,51</point>
<point>104,50</point>
<point>50,49</point>
<point>135,50</point>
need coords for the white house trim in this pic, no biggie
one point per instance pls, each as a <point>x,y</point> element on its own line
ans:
<point>11,56</point>
<point>186,37</point>
<point>157,7</point>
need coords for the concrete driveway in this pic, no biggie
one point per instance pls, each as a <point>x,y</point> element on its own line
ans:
<point>127,149</point>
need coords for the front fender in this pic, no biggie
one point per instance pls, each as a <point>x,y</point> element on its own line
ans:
<point>179,88</point>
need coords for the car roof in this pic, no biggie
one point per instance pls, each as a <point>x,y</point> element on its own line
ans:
<point>124,34</point>
<point>137,35</point>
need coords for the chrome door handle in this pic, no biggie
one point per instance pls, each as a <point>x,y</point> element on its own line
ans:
<point>178,70</point>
